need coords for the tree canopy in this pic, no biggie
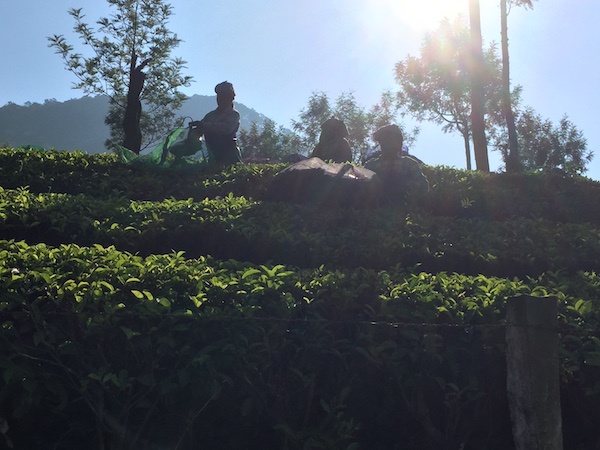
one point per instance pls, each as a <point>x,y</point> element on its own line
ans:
<point>547,146</point>
<point>436,85</point>
<point>136,31</point>
<point>361,122</point>
<point>268,142</point>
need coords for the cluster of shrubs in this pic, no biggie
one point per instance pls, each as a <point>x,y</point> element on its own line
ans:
<point>143,308</point>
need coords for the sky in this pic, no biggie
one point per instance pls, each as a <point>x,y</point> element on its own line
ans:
<point>278,52</point>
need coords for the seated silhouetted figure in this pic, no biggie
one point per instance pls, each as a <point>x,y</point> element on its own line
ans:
<point>401,175</point>
<point>333,145</point>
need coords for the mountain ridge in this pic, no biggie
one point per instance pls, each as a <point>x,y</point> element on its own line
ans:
<point>78,124</point>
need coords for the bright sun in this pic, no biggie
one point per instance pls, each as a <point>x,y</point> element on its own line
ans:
<point>424,15</point>
<point>386,23</point>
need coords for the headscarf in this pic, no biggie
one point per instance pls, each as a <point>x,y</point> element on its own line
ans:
<point>225,88</point>
<point>388,130</point>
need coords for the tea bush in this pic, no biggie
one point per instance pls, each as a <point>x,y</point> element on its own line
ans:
<point>303,235</point>
<point>176,309</point>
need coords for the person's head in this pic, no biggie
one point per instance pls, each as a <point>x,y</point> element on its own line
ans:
<point>333,129</point>
<point>390,140</point>
<point>225,93</point>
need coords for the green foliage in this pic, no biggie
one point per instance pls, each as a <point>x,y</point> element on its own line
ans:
<point>236,227</point>
<point>317,111</point>
<point>524,3</point>
<point>361,123</point>
<point>545,146</point>
<point>102,175</point>
<point>308,327</point>
<point>145,342</point>
<point>269,143</point>
<point>137,27</point>
<point>436,85</point>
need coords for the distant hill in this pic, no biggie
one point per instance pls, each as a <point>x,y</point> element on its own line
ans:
<point>78,124</point>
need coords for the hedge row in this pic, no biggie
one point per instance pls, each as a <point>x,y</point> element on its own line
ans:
<point>166,352</point>
<point>454,193</point>
<point>303,235</point>
<point>102,176</point>
<point>308,327</point>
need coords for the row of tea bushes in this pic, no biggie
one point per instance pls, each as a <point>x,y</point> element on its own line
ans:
<point>454,193</point>
<point>302,235</point>
<point>168,352</point>
<point>102,175</point>
<point>306,328</point>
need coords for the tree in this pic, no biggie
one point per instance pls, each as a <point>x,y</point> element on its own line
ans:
<point>385,112</point>
<point>545,146</point>
<point>513,163</point>
<point>317,111</point>
<point>271,142</point>
<point>361,123</point>
<point>436,86</point>
<point>512,159</point>
<point>476,69</point>
<point>136,32</point>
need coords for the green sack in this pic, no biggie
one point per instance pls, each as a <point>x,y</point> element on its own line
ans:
<point>187,142</point>
<point>181,146</point>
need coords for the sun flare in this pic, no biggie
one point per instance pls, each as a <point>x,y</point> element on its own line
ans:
<point>424,15</point>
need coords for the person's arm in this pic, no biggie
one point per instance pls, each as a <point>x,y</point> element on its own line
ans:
<point>225,123</point>
<point>199,125</point>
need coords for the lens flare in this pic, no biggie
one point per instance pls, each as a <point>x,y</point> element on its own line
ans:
<point>425,15</point>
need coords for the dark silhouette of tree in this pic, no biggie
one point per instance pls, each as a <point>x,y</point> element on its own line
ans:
<point>436,85</point>
<point>512,158</point>
<point>546,146</point>
<point>133,109</point>
<point>269,142</point>
<point>308,125</point>
<point>476,74</point>
<point>137,31</point>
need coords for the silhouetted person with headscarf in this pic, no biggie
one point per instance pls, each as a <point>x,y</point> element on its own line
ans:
<point>401,175</point>
<point>220,127</point>
<point>333,145</point>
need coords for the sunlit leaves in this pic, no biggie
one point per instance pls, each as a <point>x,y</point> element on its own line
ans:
<point>315,324</point>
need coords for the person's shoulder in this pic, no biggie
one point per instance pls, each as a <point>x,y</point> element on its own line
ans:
<point>410,166</point>
<point>372,164</point>
<point>409,161</point>
<point>210,114</point>
<point>232,114</point>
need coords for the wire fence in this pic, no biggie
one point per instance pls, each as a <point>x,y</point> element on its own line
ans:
<point>468,328</point>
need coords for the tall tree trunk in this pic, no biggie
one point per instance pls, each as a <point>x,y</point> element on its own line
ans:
<point>466,138</point>
<point>477,90</point>
<point>133,109</point>
<point>466,134</point>
<point>513,160</point>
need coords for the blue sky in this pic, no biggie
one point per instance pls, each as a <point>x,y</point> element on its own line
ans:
<point>277,52</point>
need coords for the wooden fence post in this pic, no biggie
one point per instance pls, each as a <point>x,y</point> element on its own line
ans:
<point>533,377</point>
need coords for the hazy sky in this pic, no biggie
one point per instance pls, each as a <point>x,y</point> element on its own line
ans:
<point>277,52</point>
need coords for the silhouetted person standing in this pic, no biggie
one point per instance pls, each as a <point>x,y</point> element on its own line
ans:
<point>220,127</point>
